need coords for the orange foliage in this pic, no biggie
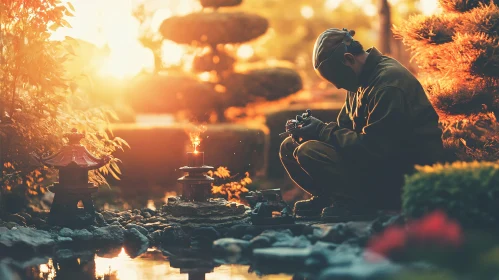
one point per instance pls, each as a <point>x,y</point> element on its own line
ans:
<point>233,188</point>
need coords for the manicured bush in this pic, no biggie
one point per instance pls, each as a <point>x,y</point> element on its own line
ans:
<point>466,191</point>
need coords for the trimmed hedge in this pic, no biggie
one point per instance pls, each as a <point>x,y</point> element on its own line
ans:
<point>466,191</point>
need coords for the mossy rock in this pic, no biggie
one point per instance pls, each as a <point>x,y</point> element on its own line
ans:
<point>213,28</point>
<point>220,3</point>
<point>266,84</point>
<point>160,94</point>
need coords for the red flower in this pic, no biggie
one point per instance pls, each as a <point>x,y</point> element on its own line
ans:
<point>433,229</point>
<point>392,238</point>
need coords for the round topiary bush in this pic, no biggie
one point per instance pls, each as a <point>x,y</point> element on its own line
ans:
<point>466,191</point>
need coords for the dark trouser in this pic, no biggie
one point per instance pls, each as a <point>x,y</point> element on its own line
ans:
<point>319,170</point>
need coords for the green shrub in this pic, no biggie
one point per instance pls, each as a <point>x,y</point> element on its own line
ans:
<point>466,191</point>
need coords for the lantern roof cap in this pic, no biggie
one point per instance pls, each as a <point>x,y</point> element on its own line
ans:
<point>74,154</point>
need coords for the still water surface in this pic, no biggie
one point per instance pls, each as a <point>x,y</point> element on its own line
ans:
<point>150,267</point>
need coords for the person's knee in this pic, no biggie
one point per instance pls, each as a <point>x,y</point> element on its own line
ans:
<point>287,148</point>
<point>307,152</point>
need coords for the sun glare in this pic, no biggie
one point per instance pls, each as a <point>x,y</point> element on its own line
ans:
<point>110,24</point>
<point>307,12</point>
<point>245,52</point>
<point>428,7</point>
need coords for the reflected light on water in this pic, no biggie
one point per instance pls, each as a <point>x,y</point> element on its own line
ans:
<point>123,267</point>
<point>153,265</point>
<point>154,119</point>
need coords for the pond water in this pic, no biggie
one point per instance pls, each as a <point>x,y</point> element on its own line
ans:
<point>150,266</point>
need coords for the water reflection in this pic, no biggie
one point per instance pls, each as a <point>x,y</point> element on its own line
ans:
<point>150,266</point>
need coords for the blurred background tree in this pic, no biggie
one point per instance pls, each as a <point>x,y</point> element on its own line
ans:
<point>458,54</point>
<point>127,42</point>
<point>38,99</point>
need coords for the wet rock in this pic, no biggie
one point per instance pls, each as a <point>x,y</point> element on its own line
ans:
<point>155,237</point>
<point>382,222</point>
<point>109,235</point>
<point>116,223</point>
<point>315,235</point>
<point>232,250</point>
<point>99,220</point>
<point>125,216</point>
<point>38,222</point>
<point>147,215</point>
<point>230,246</point>
<point>269,237</point>
<point>238,231</point>
<point>18,219</point>
<point>11,225</point>
<point>360,241</point>
<point>26,240</point>
<point>64,254</point>
<point>109,215</point>
<point>281,257</point>
<point>293,242</point>
<point>138,218</point>
<point>136,243</point>
<point>156,219</point>
<point>247,237</point>
<point>338,233</point>
<point>147,210</point>
<point>66,232</point>
<point>82,235</point>
<point>319,256</point>
<point>141,229</point>
<point>7,273</point>
<point>136,212</point>
<point>260,242</point>
<point>345,255</point>
<point>202,238</point>
<point>174,236</point>
<point>216,212</point>
<point>154,226</point>
<point>362,270</point>
<point>63,239</point>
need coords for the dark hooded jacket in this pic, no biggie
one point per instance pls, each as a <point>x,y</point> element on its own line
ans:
<point>388,125</point>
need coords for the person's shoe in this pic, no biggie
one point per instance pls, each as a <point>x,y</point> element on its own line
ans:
<point>311,208</point>
<point>344,211</point>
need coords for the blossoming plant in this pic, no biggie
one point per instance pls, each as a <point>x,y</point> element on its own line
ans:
<point>442,242</point>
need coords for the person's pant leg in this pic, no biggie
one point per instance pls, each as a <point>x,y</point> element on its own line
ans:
<point>330,174</point>
<point>294,170</point>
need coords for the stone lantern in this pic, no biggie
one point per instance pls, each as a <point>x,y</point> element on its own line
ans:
<point>73,161</point>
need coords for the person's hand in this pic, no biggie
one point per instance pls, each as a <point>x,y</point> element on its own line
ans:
<point>309,130</point>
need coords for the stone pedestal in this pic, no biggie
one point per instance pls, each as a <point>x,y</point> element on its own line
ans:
<point>216,212</point>
<point>65,211</point>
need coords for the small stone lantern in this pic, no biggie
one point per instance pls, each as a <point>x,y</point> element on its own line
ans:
<point>73,161</point>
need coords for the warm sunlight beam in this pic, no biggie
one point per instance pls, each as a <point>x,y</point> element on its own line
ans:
<point>428,7</point>
<point>307,12</point>
<point>110,24</point>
